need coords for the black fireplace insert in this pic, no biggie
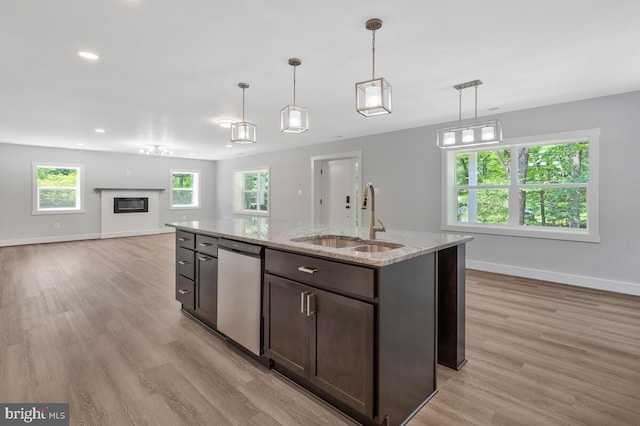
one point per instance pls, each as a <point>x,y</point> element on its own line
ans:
<point>131,205</point>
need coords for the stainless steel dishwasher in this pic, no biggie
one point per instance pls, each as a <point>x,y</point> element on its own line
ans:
<point>239,292</point>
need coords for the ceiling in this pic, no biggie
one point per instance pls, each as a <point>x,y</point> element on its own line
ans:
<point>168,70</point>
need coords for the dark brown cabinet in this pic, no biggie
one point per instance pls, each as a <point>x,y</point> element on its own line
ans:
<point>322,337</point>
<point>197,275</point>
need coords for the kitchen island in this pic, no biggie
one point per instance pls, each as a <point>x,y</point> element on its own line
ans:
<point>359,323</point>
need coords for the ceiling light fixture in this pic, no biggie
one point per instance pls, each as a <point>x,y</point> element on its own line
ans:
<point>100,130</point>
<point>156,150</point>
<point>88,55</point>
<point>293,118</point>
<point>243,132</point>
<point>373,97</point>
<point>476,133</point>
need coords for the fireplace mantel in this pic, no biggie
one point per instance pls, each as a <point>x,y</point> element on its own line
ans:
<point>128,189</point>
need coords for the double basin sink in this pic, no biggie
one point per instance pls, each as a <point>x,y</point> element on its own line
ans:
<point>348,243</point>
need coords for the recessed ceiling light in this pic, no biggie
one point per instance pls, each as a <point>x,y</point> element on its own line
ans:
<point>79,144</point>
<point>229,145</point>
<point>100,130</point>
<point>88,55</point>
<point>225,122</point>
<point>494,108</point>
<point>191,155</point>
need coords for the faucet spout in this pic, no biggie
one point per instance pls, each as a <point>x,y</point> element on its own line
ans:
<point>373,228</point>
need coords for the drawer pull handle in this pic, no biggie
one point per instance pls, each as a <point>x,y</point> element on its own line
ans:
<point>184,291</point>
<point>184,262</point>
<point>205,244</point>
<point>308,269</point>
<point>204,259</point>
<point>183,239</point>
<point>302,296</point>
<point>311,299</point>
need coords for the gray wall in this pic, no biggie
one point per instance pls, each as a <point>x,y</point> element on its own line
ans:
<point>406,166</point>
<point>102,169</point>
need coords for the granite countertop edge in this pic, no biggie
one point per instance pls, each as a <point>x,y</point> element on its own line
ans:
<point>278,235</point>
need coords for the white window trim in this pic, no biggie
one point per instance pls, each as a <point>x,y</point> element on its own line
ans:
<point>591,234</point>
<point>196,190</point>
<point>237,192</point>
<point>34,188</point>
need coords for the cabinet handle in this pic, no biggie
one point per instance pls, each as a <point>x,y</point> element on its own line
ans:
<point>183,239</point>
<point>184,291</point>
<point>183,262</point>
<point>205,244</point>
<point>302,307</point>
<point>311,301</point>
<point>204,259</point>
<point>308,269</point>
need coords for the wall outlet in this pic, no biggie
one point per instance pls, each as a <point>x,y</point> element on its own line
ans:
<point>56,225</point>
<point>299,191</point>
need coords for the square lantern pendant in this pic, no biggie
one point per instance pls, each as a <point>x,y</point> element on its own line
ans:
<point>373,97</point>
<point>294,119</point>
<point>244,132</point>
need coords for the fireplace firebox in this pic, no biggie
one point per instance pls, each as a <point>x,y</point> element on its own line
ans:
<point>131,205</point>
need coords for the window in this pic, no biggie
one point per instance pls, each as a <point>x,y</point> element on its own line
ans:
<point>544,186</point>
<point>57,188</point>
<point>251,191</point>
<point>185,189</point>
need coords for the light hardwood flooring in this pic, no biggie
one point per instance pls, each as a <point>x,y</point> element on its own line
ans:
<point>95,324</point>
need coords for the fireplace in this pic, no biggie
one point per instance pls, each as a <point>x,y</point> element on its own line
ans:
<point>130,204</point>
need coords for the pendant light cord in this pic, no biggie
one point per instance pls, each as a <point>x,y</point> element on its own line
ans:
<point>243,104</point>
<point>459,105</point>
<point>475,116</point>
<point>373,54</point>
<point>294,85</point>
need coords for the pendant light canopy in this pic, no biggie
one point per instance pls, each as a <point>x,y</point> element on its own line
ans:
<point>476,133</point>
<point>373,97</point>
<point>243,132</point>
<point>293,118</point>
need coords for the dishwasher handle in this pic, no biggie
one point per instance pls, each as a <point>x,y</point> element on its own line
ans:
<point>240,247</point>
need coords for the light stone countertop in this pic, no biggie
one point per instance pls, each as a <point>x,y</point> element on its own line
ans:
<point>278,234</point>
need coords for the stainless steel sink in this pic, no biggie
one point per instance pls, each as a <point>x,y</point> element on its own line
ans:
<point>334,241</point>
<point>348,243</point>
<point>375,247</point>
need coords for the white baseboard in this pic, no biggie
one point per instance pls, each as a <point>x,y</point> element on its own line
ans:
<point>131,233</point>
<point>557,277</point>
<point>53,239</point>
<point>78,237</point>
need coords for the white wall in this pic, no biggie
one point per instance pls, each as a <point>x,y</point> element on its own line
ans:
<point>102,169</point>
<point>406,166</point>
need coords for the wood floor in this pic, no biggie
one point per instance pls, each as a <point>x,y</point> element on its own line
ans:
<point>94,324</point>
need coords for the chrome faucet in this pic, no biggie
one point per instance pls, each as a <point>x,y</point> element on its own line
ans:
<point>373,228</point>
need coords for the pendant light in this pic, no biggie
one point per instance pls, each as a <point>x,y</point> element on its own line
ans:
<point>476,133</point>
<point>293,118</point>
<point>243,132</point>
<point>373,97</point>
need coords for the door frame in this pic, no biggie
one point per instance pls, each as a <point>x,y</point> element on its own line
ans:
<point>316,179</point>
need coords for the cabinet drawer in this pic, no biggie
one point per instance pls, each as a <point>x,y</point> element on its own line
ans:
<point>185,292</point>
<point>185,239</point>
<point>207,245</point>
<point>326,273</point>
<point>185,262</point>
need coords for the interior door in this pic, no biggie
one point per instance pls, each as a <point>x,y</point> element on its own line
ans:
<point>338,181</point>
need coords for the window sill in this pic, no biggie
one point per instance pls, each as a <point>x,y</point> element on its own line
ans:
<point>45,212</point>
<point>550,234</point>
<point>250,213</point>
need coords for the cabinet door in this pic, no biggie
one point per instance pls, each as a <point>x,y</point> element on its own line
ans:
<point>207,288</point>
<point>286,325</point>
<point>342,348</point>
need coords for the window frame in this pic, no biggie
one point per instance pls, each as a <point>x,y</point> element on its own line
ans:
<point>238,191</point>
<point>449,221</point>
<point>195,189</point>
<point>35,189</point>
